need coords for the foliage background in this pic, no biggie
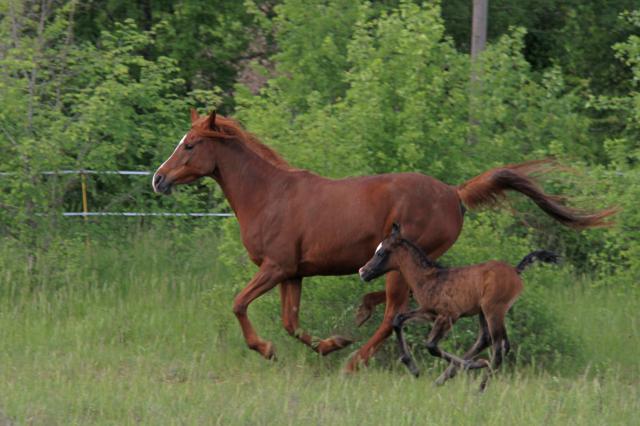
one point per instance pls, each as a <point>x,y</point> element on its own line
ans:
<point>339,87</point>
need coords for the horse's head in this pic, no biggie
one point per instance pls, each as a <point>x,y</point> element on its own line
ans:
<point>383,258</point>
<point>192,159</point>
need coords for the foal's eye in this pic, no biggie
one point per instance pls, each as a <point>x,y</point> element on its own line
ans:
<point>188,147</point>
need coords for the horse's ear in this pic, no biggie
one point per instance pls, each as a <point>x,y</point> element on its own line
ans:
<point>212,120</point>
<point>395,229</point>
<point>194,115</point>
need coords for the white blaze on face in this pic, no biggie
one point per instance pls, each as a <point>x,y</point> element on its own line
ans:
<point>153,179</point>
<point>379,247</point>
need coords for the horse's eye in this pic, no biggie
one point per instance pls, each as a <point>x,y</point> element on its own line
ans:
<point>188,147</point>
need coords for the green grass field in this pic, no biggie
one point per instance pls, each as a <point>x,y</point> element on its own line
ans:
<point>142,332</point>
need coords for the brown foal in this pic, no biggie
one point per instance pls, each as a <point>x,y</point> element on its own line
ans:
<point>288,223</point>
<point>487,289</point>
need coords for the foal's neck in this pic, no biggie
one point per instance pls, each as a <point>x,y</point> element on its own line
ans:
<point>414,264</point>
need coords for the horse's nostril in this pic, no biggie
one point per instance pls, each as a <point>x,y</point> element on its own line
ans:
<point>158,179</point>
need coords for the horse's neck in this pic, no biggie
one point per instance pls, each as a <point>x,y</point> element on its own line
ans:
<point>245,178</point>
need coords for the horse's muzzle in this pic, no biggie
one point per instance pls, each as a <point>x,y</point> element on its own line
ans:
<point>161,185</point>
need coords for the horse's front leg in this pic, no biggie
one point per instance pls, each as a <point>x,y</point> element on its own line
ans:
<point>397,292</point>
<point>290,292</point>
<point>264,280</point>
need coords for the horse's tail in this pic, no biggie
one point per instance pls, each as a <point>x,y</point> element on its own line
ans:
<point>541,255</point>
<point>489,187</point>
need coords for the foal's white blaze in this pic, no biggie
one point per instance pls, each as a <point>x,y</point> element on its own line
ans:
<point>153,179</point>
<point>379,247</point>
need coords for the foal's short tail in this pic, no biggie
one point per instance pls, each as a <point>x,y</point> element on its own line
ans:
<point>488,187</point>
<point>541,255</point>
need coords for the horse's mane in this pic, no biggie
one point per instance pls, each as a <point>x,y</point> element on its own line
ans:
<point>230,129</point>
<point>420,257</point>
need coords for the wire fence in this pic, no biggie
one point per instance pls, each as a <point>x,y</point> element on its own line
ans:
<point>88,172</point>
<point>85,213</point>
<point>135,214</point>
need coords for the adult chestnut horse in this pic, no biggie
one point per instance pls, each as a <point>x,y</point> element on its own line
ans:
<point>297,224</point>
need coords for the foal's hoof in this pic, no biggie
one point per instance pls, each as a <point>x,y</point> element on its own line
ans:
<point>447,374</point>
<point>476,364</point>
<point>363,314</point>
<point>443,378</point>
<point>333,343</point>
<point>411,366</point>
<point>414,371</point>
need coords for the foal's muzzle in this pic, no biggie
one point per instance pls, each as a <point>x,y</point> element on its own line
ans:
<point>365,274</point>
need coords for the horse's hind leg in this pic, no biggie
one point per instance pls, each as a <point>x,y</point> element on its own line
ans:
<point>290,292</point>
<point>482,342</point>
<point>368,304</point>
<point>397,292</point>
<point>500,344</point>
<point>406,359</point>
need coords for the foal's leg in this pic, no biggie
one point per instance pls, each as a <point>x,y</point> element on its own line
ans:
<point>397,292</point>
<point>264,280</point>
<point>369,302</point>
<point>500,346</point>
<point>482,342</point>
<point>406,359</point>
<point>441,327</point>
<point>290,291</point>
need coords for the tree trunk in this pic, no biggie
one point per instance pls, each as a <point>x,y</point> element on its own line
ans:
<point>478,42</point>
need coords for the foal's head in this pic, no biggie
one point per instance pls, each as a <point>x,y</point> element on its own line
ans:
<point>390,254</point>
<point>384,259</point>
<point>193,157</point>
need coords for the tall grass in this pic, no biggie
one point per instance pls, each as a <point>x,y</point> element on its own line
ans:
<point>142,332</point>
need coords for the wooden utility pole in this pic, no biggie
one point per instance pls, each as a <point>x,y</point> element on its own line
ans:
<point>478,42</point>
<point>479,27</point>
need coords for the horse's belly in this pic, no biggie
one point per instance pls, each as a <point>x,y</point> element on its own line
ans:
<point>343,260</point>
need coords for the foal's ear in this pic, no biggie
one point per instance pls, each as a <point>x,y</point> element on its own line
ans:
<point>395,229</point>
<point>194,115</point>
<point>212,120</point>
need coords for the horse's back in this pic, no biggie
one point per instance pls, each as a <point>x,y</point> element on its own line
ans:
<point>338,223</point>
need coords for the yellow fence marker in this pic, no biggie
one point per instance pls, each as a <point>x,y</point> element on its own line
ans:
<point>85,208</point>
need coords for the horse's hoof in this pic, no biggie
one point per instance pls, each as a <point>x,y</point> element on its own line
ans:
<point>268,351</point>
<point>354,364</point>
<point>363,314</point>
<point>341,341</point>
<point>350,369</point>
<point>333,343</point>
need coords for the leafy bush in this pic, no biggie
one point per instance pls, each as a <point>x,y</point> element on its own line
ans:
<point>102,107</point>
